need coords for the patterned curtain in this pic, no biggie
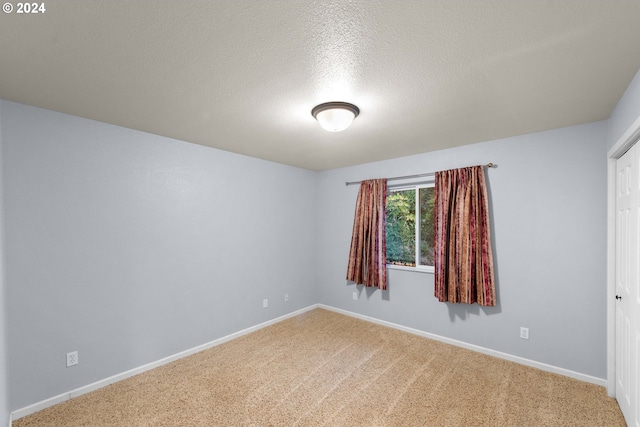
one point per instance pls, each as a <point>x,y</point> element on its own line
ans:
<point>463,258</point>
<point>368,254</point>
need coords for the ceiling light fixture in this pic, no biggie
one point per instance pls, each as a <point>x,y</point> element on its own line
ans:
<point>335,116</point>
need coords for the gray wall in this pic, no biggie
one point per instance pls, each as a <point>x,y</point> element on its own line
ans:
<point>130,247</point>
<point>548,201</point>
<point>4,391</point>
<point>626,112</point>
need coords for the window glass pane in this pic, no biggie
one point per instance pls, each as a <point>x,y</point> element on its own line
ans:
<point>401,228</point>
<point>426,226</point>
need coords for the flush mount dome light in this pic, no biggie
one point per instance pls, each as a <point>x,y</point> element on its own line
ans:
<point>335,116</point>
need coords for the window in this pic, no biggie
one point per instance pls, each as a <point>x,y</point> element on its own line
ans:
<point>409,215</point>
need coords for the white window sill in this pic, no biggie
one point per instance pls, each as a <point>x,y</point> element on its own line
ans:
<point>416,269</point>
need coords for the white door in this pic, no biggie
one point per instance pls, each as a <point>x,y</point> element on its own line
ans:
<point>627,285</point>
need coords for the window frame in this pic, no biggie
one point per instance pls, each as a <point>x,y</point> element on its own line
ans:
<point>416,187</point>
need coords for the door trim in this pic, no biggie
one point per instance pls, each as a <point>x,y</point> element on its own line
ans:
<point>630,137</point>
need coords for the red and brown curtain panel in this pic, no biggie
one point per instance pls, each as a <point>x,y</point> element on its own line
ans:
<point>368,254</point>
<point>463,257</point>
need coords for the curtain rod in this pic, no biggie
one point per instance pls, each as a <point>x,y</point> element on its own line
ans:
<point>420,175</point>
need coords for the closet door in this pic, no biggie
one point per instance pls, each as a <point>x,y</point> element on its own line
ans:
<point>627,285</point>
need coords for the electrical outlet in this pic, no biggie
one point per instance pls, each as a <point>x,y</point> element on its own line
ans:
<point>286,297</point>
<point>355,295</point>
<point>265,303</point>
<point>524,333</point>
<point>72,358</point>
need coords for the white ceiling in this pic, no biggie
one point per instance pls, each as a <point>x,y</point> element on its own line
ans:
<point>243,75</point>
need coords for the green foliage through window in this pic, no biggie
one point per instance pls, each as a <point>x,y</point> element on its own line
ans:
<point>427,238</point>
<point>402,226</point>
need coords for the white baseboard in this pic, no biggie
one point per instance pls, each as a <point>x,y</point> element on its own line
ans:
<point>498,354</point>
<point>23,412</point>
<point>28,410</point>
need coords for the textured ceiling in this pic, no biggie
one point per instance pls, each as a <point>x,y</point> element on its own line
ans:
<point>244,75</point>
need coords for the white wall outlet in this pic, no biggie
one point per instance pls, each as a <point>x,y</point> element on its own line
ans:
<point>72,358</point>
<point>355,295</point>
<point>265,303</point>
<point>524,333</point>
<point>286,297</point>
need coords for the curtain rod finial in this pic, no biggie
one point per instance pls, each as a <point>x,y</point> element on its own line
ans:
<point>489,165</point>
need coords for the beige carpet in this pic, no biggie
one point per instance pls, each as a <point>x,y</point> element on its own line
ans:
<point>326,369</point>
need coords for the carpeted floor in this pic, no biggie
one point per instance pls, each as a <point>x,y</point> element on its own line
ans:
<point>325,369</point>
